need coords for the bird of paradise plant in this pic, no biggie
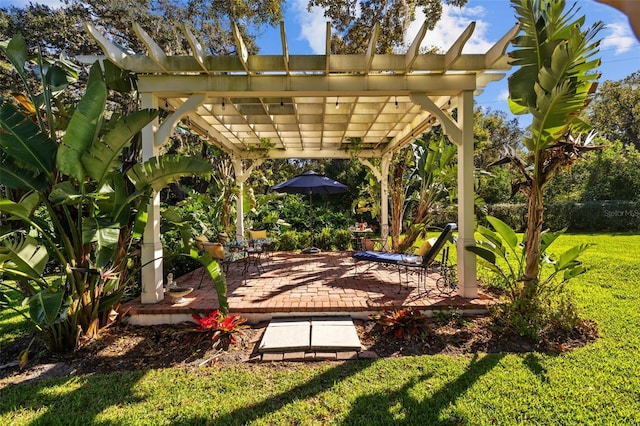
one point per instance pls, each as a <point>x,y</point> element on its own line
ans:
<point>76,195</point>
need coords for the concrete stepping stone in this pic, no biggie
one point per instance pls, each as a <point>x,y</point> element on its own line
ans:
<point>334,333</point>
<point>315,334</point>
<point>286,334</point>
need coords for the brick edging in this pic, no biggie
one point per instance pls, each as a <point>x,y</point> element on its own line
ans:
<point>312,356</point>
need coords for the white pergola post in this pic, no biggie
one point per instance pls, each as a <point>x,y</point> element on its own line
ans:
<point>384,198</point>
<point>460,132</point>
<point>382,176</point>
<point>152,279</point>
<point>466,260</point>
<point>240,213</point>
<point>241,176</point>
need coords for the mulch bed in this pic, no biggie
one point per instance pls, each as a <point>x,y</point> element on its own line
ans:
<point>126,348</point>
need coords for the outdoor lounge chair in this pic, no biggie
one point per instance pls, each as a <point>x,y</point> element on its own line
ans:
<point>408,261</point>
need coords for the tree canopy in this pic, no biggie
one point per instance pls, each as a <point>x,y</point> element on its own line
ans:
<point>615,111</point>
<point>352,20</point>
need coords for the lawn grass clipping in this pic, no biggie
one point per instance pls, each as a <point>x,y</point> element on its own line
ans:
<point>597,384</point>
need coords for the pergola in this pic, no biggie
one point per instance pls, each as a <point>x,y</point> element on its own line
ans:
<point>358,106</point>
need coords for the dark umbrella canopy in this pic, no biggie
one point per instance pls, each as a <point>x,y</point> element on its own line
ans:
<point>310,183</point>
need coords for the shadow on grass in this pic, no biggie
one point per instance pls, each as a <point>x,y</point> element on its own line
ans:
<point>401,407</point>
<point>88,396</point>
<point>532,361</point>
<point>374,408</point>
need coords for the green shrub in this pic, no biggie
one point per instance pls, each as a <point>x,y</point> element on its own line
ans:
<point>304,239</point>
<point>325,239</point>
<point>342,239</point>
<point>546,314</point>
<point>288,241</point>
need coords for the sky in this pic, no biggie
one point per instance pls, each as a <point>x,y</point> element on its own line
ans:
<point>306,35</point>
<point>618,50</point>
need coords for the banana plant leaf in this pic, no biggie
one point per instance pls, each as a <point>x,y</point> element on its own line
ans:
<point>103,157</point>
<point>23,141</point>
<point>22,257</point>
<point>16,177</point>
<point>104,233</point>
<point>82,131</point>
<point>158,172</point>
<point>46,307</point>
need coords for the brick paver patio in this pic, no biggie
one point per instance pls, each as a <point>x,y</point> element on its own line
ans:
<point>311,284</point>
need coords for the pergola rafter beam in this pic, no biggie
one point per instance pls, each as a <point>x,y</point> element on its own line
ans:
<point>243,53</point>
<point>496,52</point>
<point>285,48</point>
<point>455,51</point>
<point>114,52</point>
<point>155,52</point>
<point>371,48</point>
<point>327,50</point>
<point>414,49</point>
<point>196,47</point>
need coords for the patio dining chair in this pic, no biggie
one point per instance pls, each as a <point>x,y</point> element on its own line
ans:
<point>260,241</point>
<point>222,253</point>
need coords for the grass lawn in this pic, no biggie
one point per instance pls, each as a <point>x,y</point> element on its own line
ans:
<point>598,384</point>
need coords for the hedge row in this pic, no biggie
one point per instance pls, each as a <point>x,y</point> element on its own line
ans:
<point>592,216</point>
<point>326,239</point>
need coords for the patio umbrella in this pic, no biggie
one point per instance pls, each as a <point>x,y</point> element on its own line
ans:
<point>310,183</point>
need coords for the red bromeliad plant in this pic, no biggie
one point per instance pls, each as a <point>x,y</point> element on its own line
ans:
<point>403,323</point>
<point>221,325</point>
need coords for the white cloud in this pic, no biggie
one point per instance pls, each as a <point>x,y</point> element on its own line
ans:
<point>23,3</point>
<point>620,39</point>
<point>313,25</point>
<point>503,95</point>
<point>453,22</point>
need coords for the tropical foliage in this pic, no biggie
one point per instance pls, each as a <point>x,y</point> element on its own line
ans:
<point>554,83</point>
<point>222,326</point>
<point>404,324</point>
<point>530,310</point>
<point>433,173</point>
<point>76,196</point>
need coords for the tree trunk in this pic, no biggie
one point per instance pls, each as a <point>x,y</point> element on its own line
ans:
<point>534,229</point>
<point>397,204</point>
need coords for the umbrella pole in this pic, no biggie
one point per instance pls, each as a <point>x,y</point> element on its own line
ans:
<point>311,249</point>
